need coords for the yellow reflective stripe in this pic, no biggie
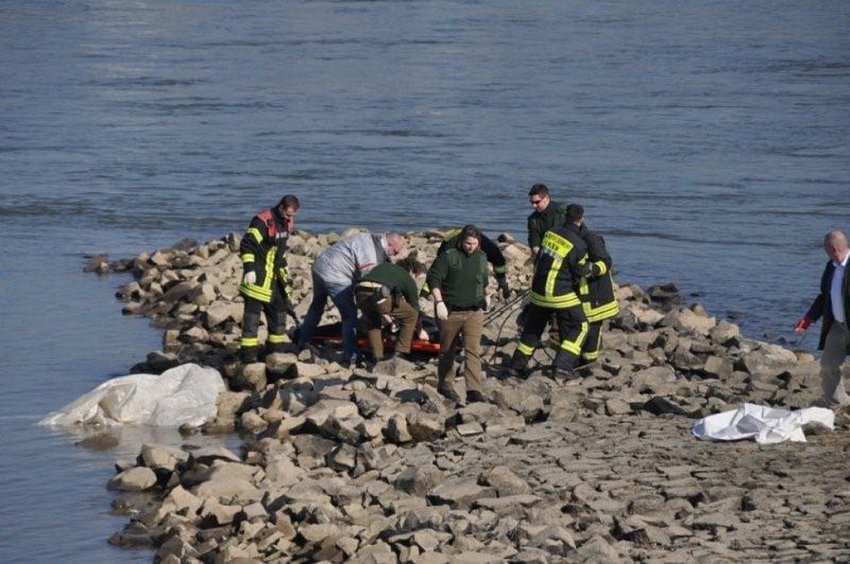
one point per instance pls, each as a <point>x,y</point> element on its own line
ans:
<point>575,345</point>
<point>590,355</point>
<point>256,292</point>
<point>603,268</point>
<point>269,270</point>
<point>552,276</point>
<point>555,302</point>
<point>425,289</point>
<point>604,312</point>
<point>249,342</point>
<point>278,339</point>
<point>255,233</point>
<point>522,348</point>
<point>248,257</point>
<point>584,287</point>
<point>500,269</point>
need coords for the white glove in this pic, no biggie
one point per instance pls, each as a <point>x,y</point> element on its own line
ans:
<point>442,311</point>
<point>250,278</point>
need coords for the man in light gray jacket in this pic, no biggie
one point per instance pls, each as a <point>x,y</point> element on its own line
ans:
<point>335,272</point>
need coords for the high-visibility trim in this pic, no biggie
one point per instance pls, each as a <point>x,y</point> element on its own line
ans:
<point>591,350</point>
<point>248,257</point>
<point>522,348</point>
<point>605,312</point>
<point>555,302</point>
<point>552,276</point>
<point>584,289</point>
<point>275,339</point>
<point>249,342</point>
<point>255,233</point>
<point>603,268</point>
<point>426,289</point>
<point>256,292</point>
<point>500,269</point>
<point>574,346</point>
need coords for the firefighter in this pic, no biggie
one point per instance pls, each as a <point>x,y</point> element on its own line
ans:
<point>596,289</point>
<point>558,268</point>
<point>266,286</point>
<point>494,256</point>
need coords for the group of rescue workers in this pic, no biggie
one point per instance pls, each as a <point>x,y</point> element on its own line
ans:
<point>571,288</point>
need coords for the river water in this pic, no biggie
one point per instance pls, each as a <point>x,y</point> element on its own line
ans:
<point>707,140</point>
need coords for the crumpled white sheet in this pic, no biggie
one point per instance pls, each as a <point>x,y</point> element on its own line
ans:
<point>768,425</point>
<point>185,394</point>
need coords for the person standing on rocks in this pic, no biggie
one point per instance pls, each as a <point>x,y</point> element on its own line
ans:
<point>335,272</point>
<point>387,294</point>
<point>833,304</point>
<point>494,256</point>
<point>596,289</point>
<point>558,269</point>
<point>546,215</point>
<point>266,286</point>
<point>458,281</point>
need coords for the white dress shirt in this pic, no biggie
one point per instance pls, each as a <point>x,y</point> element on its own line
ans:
<point>835,296</point>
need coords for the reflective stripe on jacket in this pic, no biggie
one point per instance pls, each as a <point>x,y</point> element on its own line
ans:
<point>558,268</point>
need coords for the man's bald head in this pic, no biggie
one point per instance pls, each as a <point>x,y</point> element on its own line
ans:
<point>835,245</point>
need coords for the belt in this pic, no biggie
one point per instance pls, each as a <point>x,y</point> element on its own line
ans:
<point>467,308</point>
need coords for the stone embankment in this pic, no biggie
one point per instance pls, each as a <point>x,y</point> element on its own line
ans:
<point>375,466</point>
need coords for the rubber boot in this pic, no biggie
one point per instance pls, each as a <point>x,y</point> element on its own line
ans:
<point>247,355</point>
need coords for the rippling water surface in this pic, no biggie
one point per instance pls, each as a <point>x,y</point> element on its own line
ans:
<point>707,140</point>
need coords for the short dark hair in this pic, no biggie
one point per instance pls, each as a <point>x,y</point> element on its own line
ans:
<point>288,201</point>
<point>410,264</point>
<point>539,190</point>
<point>574,213</point>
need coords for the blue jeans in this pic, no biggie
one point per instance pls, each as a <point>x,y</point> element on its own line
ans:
<point>343,298</point>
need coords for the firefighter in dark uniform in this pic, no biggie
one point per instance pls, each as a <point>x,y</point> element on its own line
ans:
<point>388,292</point>
<point>558,268</point>
<point>494,256</point>
<point>596,289</point>
<point>265,281</point>
<point>546,215</point>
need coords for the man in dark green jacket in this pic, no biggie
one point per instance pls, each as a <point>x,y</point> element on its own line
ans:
<point>546,215</point>
<point>388,293</point>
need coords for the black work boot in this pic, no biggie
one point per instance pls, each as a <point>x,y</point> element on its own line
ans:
<point>517,366</point>
<point>247,355</point>
<point>448,392</point>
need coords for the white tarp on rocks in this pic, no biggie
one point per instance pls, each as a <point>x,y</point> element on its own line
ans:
<point>186,394</point>
<point>767,425</point>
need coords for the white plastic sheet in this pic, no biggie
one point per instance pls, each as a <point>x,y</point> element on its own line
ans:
<point>186,394</point>
<point>767,425</point>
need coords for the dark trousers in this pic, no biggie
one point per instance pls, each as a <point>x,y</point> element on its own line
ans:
<point>572,331</point>
<point>275,312</point>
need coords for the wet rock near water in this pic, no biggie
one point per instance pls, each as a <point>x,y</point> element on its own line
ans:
<point>373,465</point>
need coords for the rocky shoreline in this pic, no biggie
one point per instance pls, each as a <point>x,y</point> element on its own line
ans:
<point>375,466</point>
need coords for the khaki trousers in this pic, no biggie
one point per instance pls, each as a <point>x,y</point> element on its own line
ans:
<point>470,324</point>
<point>373,312</point>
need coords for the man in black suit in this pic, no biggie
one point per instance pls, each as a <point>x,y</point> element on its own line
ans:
<point>833,303</point>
